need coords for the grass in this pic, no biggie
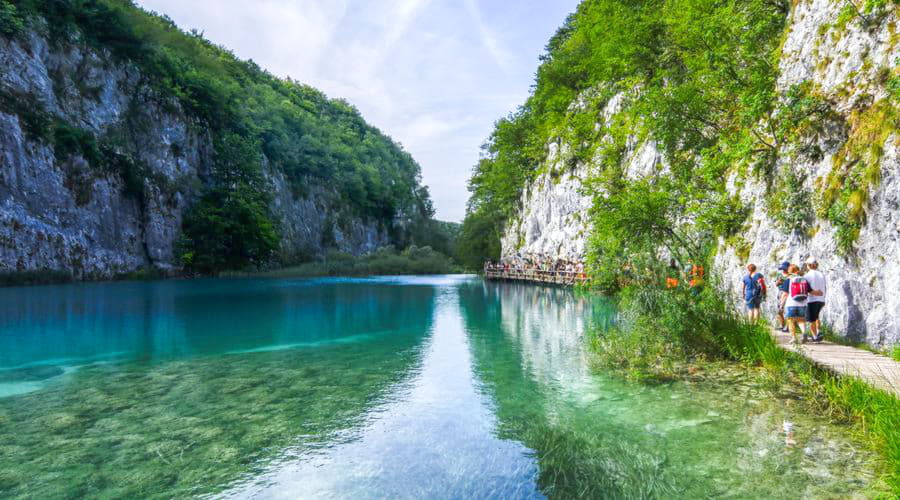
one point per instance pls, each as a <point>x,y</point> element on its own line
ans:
<point>385,261</point>
<point>669,335</point>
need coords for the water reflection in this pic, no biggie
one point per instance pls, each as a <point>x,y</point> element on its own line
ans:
<point>598,436</point>
<point>434,438</point>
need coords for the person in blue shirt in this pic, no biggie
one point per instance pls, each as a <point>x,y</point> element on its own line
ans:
<point>754,291</point>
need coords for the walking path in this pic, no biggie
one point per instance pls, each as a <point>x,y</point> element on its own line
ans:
<point>879,371</point>
<point>565,278</point>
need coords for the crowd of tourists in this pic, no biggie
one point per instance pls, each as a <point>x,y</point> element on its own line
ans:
<point>526,264</point>
<point>801,297</point>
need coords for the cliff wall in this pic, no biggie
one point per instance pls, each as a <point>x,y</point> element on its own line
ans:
<point>847,63</point>
<point>64,213</point>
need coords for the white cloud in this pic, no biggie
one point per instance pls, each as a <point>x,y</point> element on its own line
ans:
<point>432,74</point>
<point>490,40</point>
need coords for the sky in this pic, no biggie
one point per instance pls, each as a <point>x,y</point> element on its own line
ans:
<point>433,74</point>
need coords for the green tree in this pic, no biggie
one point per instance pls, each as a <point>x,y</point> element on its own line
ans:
<point>230,227</point>
<point>11,23</point>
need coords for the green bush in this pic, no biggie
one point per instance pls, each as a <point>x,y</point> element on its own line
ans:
<point>228,229</point>
<point>385,261</point>
<point>36,123</point>
<point>11,23</point>
<point>665,335</point>
<point>69,140</point>
<point>791,204</point>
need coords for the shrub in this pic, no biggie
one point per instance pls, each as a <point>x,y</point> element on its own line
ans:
<point>790,205</point>
<point>69,140</point>
<point>228,229</point>
<point>11,23</point>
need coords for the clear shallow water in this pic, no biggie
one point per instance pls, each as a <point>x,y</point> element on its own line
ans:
<point>439,387</point>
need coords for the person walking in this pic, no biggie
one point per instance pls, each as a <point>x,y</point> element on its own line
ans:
<point>754,291</point>
<point>783,283</point>
<point>815,303</point>
<point>795,305</point>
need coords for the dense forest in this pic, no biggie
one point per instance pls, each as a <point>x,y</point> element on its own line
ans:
<point>697,78</point>
<point>256,121</point>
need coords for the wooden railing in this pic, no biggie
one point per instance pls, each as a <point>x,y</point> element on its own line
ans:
<point>565,278</point>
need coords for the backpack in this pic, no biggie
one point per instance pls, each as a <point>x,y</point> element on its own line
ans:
<point>757,286</point>
<point>799,289</point>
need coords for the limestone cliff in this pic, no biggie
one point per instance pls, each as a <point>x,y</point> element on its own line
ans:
<point>62,214</point>
<point>847,64</point>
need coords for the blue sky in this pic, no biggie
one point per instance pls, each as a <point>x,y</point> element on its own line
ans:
<point>432,74</point>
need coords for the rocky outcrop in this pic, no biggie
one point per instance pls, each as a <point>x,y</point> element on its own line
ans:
<point>845,64</point>
<point>66,214</point>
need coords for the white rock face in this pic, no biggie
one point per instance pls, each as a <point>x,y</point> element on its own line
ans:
<point>863,301</point>
<point>70,216</point>
<point>553,221</point>
<point>554,218</point>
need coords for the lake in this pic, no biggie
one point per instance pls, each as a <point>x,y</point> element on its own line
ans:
<point>387,387</point>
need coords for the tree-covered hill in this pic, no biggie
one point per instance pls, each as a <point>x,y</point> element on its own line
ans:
<point>257,122</point>
<point>698,80</point>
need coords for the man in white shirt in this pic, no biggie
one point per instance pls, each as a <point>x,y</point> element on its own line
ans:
<point>818,288</point>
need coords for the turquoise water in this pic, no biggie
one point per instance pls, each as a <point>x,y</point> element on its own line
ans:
<point>437,387</point>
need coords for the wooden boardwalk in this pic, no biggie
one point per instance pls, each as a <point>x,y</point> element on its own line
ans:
<point>878,371</point>
<point>564,278</point>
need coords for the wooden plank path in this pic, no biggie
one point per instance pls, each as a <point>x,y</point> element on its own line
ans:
<point>878,371</point>
<point>564,278</point>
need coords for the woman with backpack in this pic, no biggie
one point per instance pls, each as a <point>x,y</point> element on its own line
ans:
<point>795,305</point>
<point>754,292</point>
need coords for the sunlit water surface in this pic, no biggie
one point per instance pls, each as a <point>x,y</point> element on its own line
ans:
<point>428,387</point>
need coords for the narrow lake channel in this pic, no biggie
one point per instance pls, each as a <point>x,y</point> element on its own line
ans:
<point>388,387</point>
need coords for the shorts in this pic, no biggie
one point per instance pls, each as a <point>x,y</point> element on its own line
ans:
<point>812,311</point>
<point>753,303</point>
<point>796,312</point>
